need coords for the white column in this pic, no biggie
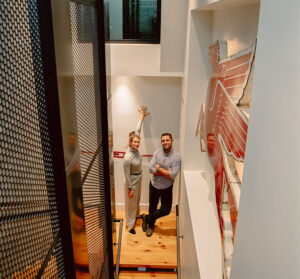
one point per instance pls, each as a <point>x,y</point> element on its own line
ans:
<point>268,230</point>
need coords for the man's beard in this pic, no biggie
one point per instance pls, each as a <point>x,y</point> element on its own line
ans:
<point>166,150</point>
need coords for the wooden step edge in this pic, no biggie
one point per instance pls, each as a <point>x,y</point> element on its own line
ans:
<point>150,266</point>
<point>145,275</point>
<point>147,272</point>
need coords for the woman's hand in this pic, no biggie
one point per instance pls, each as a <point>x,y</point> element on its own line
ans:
<point>130,193</point>
<point>143,112</point>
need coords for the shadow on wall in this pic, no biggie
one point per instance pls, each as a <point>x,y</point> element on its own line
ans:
<point>162,97</point>
<point>149,143</point>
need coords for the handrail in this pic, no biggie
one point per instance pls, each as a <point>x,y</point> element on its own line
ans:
<point>119,246</point>
<point>178,243</point>
<point>46,260</point>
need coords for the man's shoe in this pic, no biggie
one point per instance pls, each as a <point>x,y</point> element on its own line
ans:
<point>132,231</point>
<point>149,232</point>
<point>144,224</point>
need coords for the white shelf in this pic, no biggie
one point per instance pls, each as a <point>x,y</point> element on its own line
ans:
<point>204,228</point>
<point>226,4</point>
<point>152,74</point>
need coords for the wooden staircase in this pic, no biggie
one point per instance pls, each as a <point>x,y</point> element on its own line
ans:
<point>145,275</point>
<point>149,257</point>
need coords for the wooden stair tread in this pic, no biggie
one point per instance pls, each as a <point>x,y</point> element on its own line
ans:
<point>157,251</point>
<point>141,275</point>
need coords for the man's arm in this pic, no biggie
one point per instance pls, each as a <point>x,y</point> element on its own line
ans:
<point>152,164</point>
<point>171,172</point>
<point>175,168</point>
<point>163,172</point>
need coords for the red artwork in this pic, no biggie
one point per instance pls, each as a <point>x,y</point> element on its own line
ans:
<point>226,123</point>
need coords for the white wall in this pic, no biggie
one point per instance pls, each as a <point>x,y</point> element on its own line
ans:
<point>135,59</point>
<point>164,59</point>
<point>195,86</point>
<point>173,30</point>
<point>238,25</point>
<point>196,4</point>
<point>195,80</point>
<point>162,96</point>
<point>268,229</point>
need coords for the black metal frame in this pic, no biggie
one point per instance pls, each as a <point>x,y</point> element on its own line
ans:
<point>119,246</point>
<point>133,15</point>
<point>47,258</point>
<point>53,111</point>
<point>178,237</point>
<point>104,121</point>
<point>144,41</point>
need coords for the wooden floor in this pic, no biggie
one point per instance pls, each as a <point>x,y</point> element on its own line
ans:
<point>157,251</point>
<point>145,275</point>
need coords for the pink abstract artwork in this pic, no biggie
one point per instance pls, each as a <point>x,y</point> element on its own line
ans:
<point>226,126</point>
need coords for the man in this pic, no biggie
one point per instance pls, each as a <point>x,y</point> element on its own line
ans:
<point>215,155</point>
<point>164,166</point>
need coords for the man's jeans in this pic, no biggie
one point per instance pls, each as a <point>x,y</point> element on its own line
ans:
<point>165,196</point>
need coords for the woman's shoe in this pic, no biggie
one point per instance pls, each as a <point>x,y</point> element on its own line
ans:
<point>132,231</point>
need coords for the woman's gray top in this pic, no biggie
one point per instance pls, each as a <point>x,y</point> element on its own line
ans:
<point>133,162</point>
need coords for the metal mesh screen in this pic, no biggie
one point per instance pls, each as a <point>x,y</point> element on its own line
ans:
<point>29,215</point>
<point>90,135</point>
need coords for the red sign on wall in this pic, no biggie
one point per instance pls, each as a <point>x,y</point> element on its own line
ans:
<point>121,154</point>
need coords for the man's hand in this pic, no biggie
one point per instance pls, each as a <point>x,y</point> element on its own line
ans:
<point>130,193</point>
<point>157,166</point>
<point>163,172</point>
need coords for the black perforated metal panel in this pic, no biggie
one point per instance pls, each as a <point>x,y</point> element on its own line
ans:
<point>29,214</point>
<point>91,135</point>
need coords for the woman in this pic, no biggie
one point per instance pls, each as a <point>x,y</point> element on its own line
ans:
<point>133,174</point>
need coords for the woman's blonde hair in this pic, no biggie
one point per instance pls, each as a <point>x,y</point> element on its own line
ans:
<point>133,135</point>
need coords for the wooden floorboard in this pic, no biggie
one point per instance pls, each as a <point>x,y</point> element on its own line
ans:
<point>145,275</point>
<point>157,251</point>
